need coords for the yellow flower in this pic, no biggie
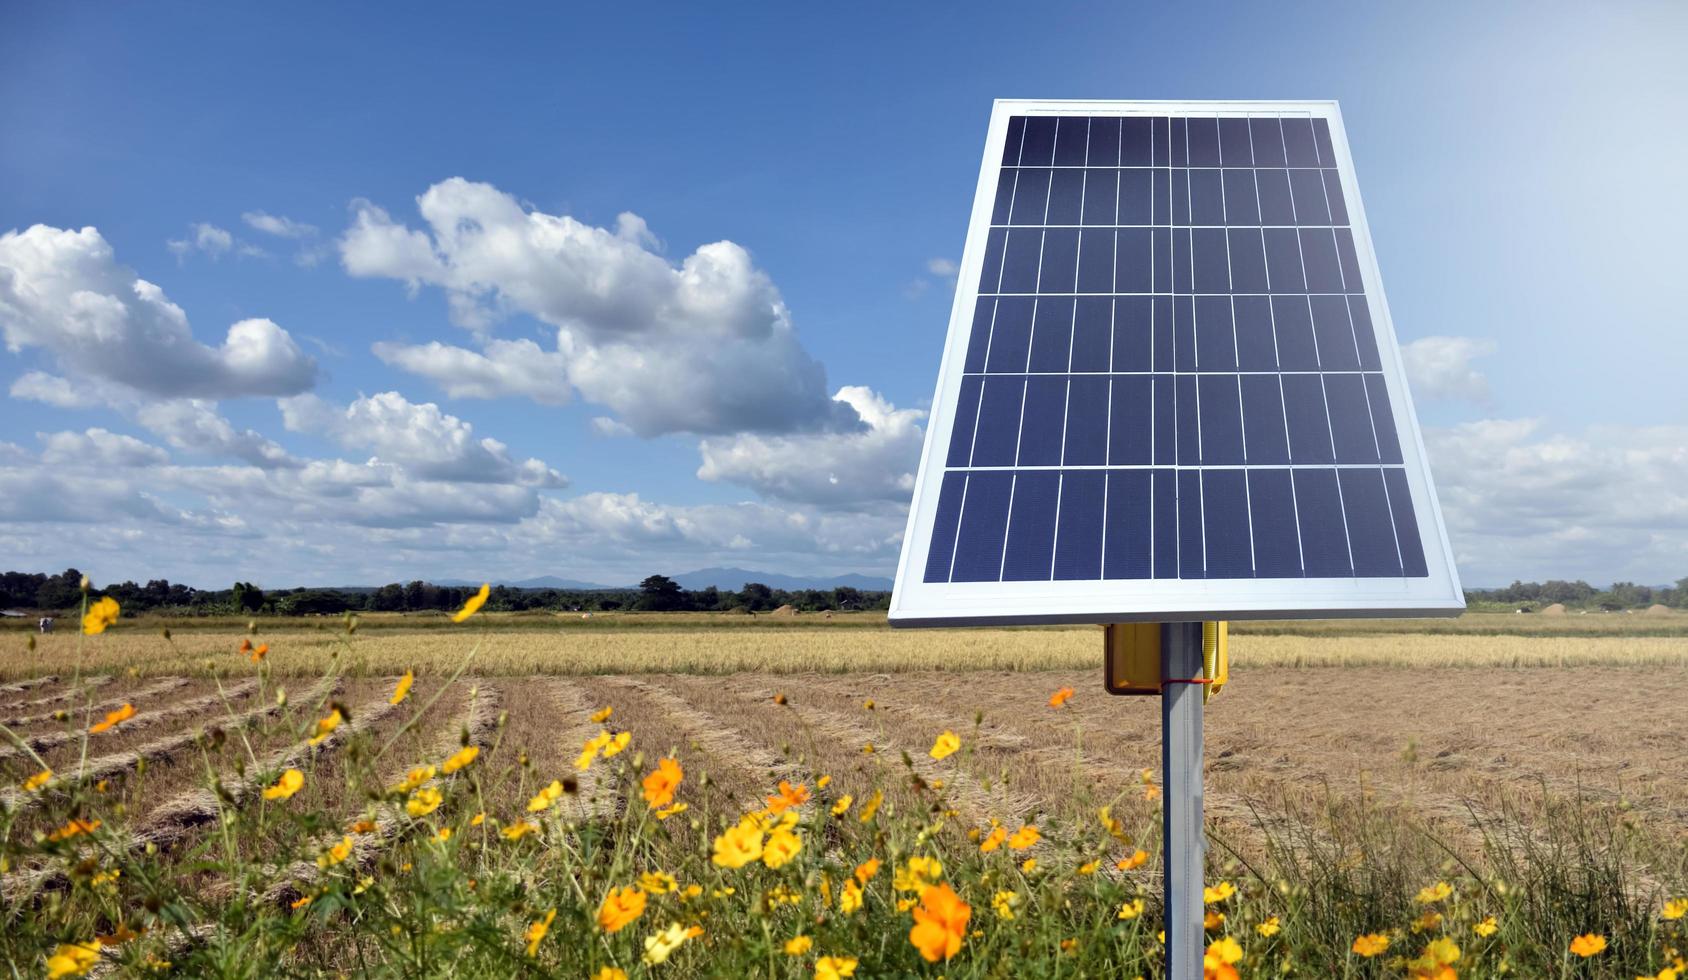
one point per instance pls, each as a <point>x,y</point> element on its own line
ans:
<point>415,778</point>
<point>610,973</point>
<point>326,726</point>
<point>519,829</point>
<point>1136,860</point>
<point>113,719</point>
<point>658,882</point>
<point>939,923</point>
<point>620,906</point>
<point>106,878</point>
<point>871,807</point>
<point>1269,928</point>
<point>1112,825</point>
<point>288,784</point>
<point>738,845</point>
<point>843,804</point>
<point>1028,865</point>
<point>917,874</point>
<point>1060,697</point>
<point>798,945</point>
<point>402,690</point>
<point>462,757</point>
<point>474,604</point>
<point>1430,920</point>
<point>1436,961</point>
<point>660,785</point>
<point>1089,867</point>
<point>994,839</point>
<point>781,847</point>
<point>74,959</point>
<point>334,855</point>
<point>443,835</point>
<point>423,802</point>
<point>603,714</point>
<point>1433,893</point>
<point>660,945</point>
<point>1371,944</point>
<point>945,745</point>
<point>1003,904</point>
<point>478,819</point>
<point>669,811</point>
<point>835,967</point>
<point>1218,893</point>
<point>1131,909</point>
<point>99,615</point>
<point>849,897</point>
<point>617,743</point>
<point>1676,908</point>
<point>1588,944</point>
<point>1147,778</point>
<point>545,797</point>
<point>823,782</point>
<point>1486,928</point>
<point>1213,920</point>
<point>39,780</point>
<point>1024,838</point>
<point>537,929</point>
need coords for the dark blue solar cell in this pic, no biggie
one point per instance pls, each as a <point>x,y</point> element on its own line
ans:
<point>1333,194</point>
<point>1364,335</point>
<point>942,549</point>
<point>1086,441</point>
<point>1031,527</point>
<point>1135,204</point>
<point>1160,197</point>
<point>1207,197</point>
<point>1165,420</point>
<point>1350,418</point>
<point>1221,420</point>
<point>1225,524</point>
<point>1192,549</point>
<point>1294,327</point>
<point>1204,142</point>
<point>1211,259</point>
<point>1134,142</point>
<point>1406,523</point>
<point>1371,528</point>
<point>1104,143</point>
<point>978,341</point>
<point>1304,410</point>
<point>1078,539</point>
<point>1163,515</point>
<point>1004,196</point>
<point>1133,270</point>
<point>1257,348</point>
<point>1160,258</point>
<point>1038,150</point>
<point>966,416</point>
<point>1263,420</point>
<point>1216,342</point>
<point>1298,141</point>
<point>1234,142</point>
<point>1133,333</point>
<point>1318,257</point>
<point>1321,140</point>
<point>1131,430</point>
<point>1066,197</point>
<point>1011,334</point>
<point>1184,333</point>
<point>1031,197</point>
<point>1161,138</point>
<point>1180,197</point>
<point>984,518</point>
<point>1052,334</point>
<point>1267,141</point>
<point>1324,542</point>
<point>1350,261</point>
<point>1309,191</point>
<point>1241,206</point>
<point>990,270</point>
<point>1383,420</point>
<point>1060,261</point>
<point>1128,543</point>
<point>1011,145</point>
<point>1335,334</point>
<point>1101,189</point>
<point>1093,331</point>
<point>1020,260</point>
<point>1186,412</point>
<point>998,439</point>
<point>1277,207</point>
<point>1096,260</point>
<point>1248,260</point>
<point>1072,141</point>
<point>1271,510</point>
<point>1283,261</point>
<point>1182,270</point>
<point>1180,141</point>
<point>1161,336</point>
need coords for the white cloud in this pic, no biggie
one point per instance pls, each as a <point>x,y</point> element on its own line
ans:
<point>196,426</point>
<point>704,346</point>
<point>1440,367</point>
<point>274,224</point>
<point>49,389</point>
<point>831,468</point>
<point>63,291</point>
<point>609,428</point>
<point>942,268</point>
<point>99,448</point>
<point>207,238</point>
<point>419,437</point>
<point>503,369</point>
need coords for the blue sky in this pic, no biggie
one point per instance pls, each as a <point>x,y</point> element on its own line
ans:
<point>1521,165</point>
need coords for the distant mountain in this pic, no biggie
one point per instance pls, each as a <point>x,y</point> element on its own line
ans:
<point>542,582</point>
<point>734,579</point>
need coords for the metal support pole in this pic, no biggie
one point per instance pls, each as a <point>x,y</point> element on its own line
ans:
<point>1181,813</point>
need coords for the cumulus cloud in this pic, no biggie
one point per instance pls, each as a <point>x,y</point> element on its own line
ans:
<point>420,437</point>
<point>274,224</point>
<point>1440,367</point>
<point>50,389</point>
<point>942,268</point>
<point>706,345</point>
<point>830,468</point>
<point>501,369</point>
<point>196,426</point>
<point>63,291</point>
<point>99,448</point>
<point>203,237</point>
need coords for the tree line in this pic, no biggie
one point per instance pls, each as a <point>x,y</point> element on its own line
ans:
<point>1619,595</point>
<point>62,593</point>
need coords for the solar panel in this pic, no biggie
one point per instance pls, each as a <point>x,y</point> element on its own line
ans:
<point>1171,388</point>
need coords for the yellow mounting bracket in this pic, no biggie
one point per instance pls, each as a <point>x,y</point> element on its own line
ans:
<point>1132,658</point>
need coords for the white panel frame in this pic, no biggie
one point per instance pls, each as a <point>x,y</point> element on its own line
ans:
<point>919,603</point>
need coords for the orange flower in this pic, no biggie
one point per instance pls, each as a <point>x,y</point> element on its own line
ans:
<point>994,839</point>
<point>789,796</point>
<point>74,827</point>
<point>38,780</point>
<point>939,923</point>
<point>113,719</point>
<point>259,651</point>
<point>462,757</point>
<point>662,782</point>
<point>325,726</point>
<point>1060,697</point>
<point>1370,944</point>
<point>621,906</point>
<point>1137,859</point>
<point>866,870</point>
<point>1588,944</point>
<point>1024,838</point>
<point>537,929</point>
<point>1218,962</point>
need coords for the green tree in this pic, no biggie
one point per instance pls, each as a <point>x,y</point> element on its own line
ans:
<point>659,593</point>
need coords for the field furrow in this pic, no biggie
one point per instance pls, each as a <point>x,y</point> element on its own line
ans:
<point>140,722</point>
<point>87,686</point>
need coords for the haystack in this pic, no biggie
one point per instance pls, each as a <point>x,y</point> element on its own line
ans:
<point>1557,609</point>
<point>784,611</point>
<point>1658,609</point>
